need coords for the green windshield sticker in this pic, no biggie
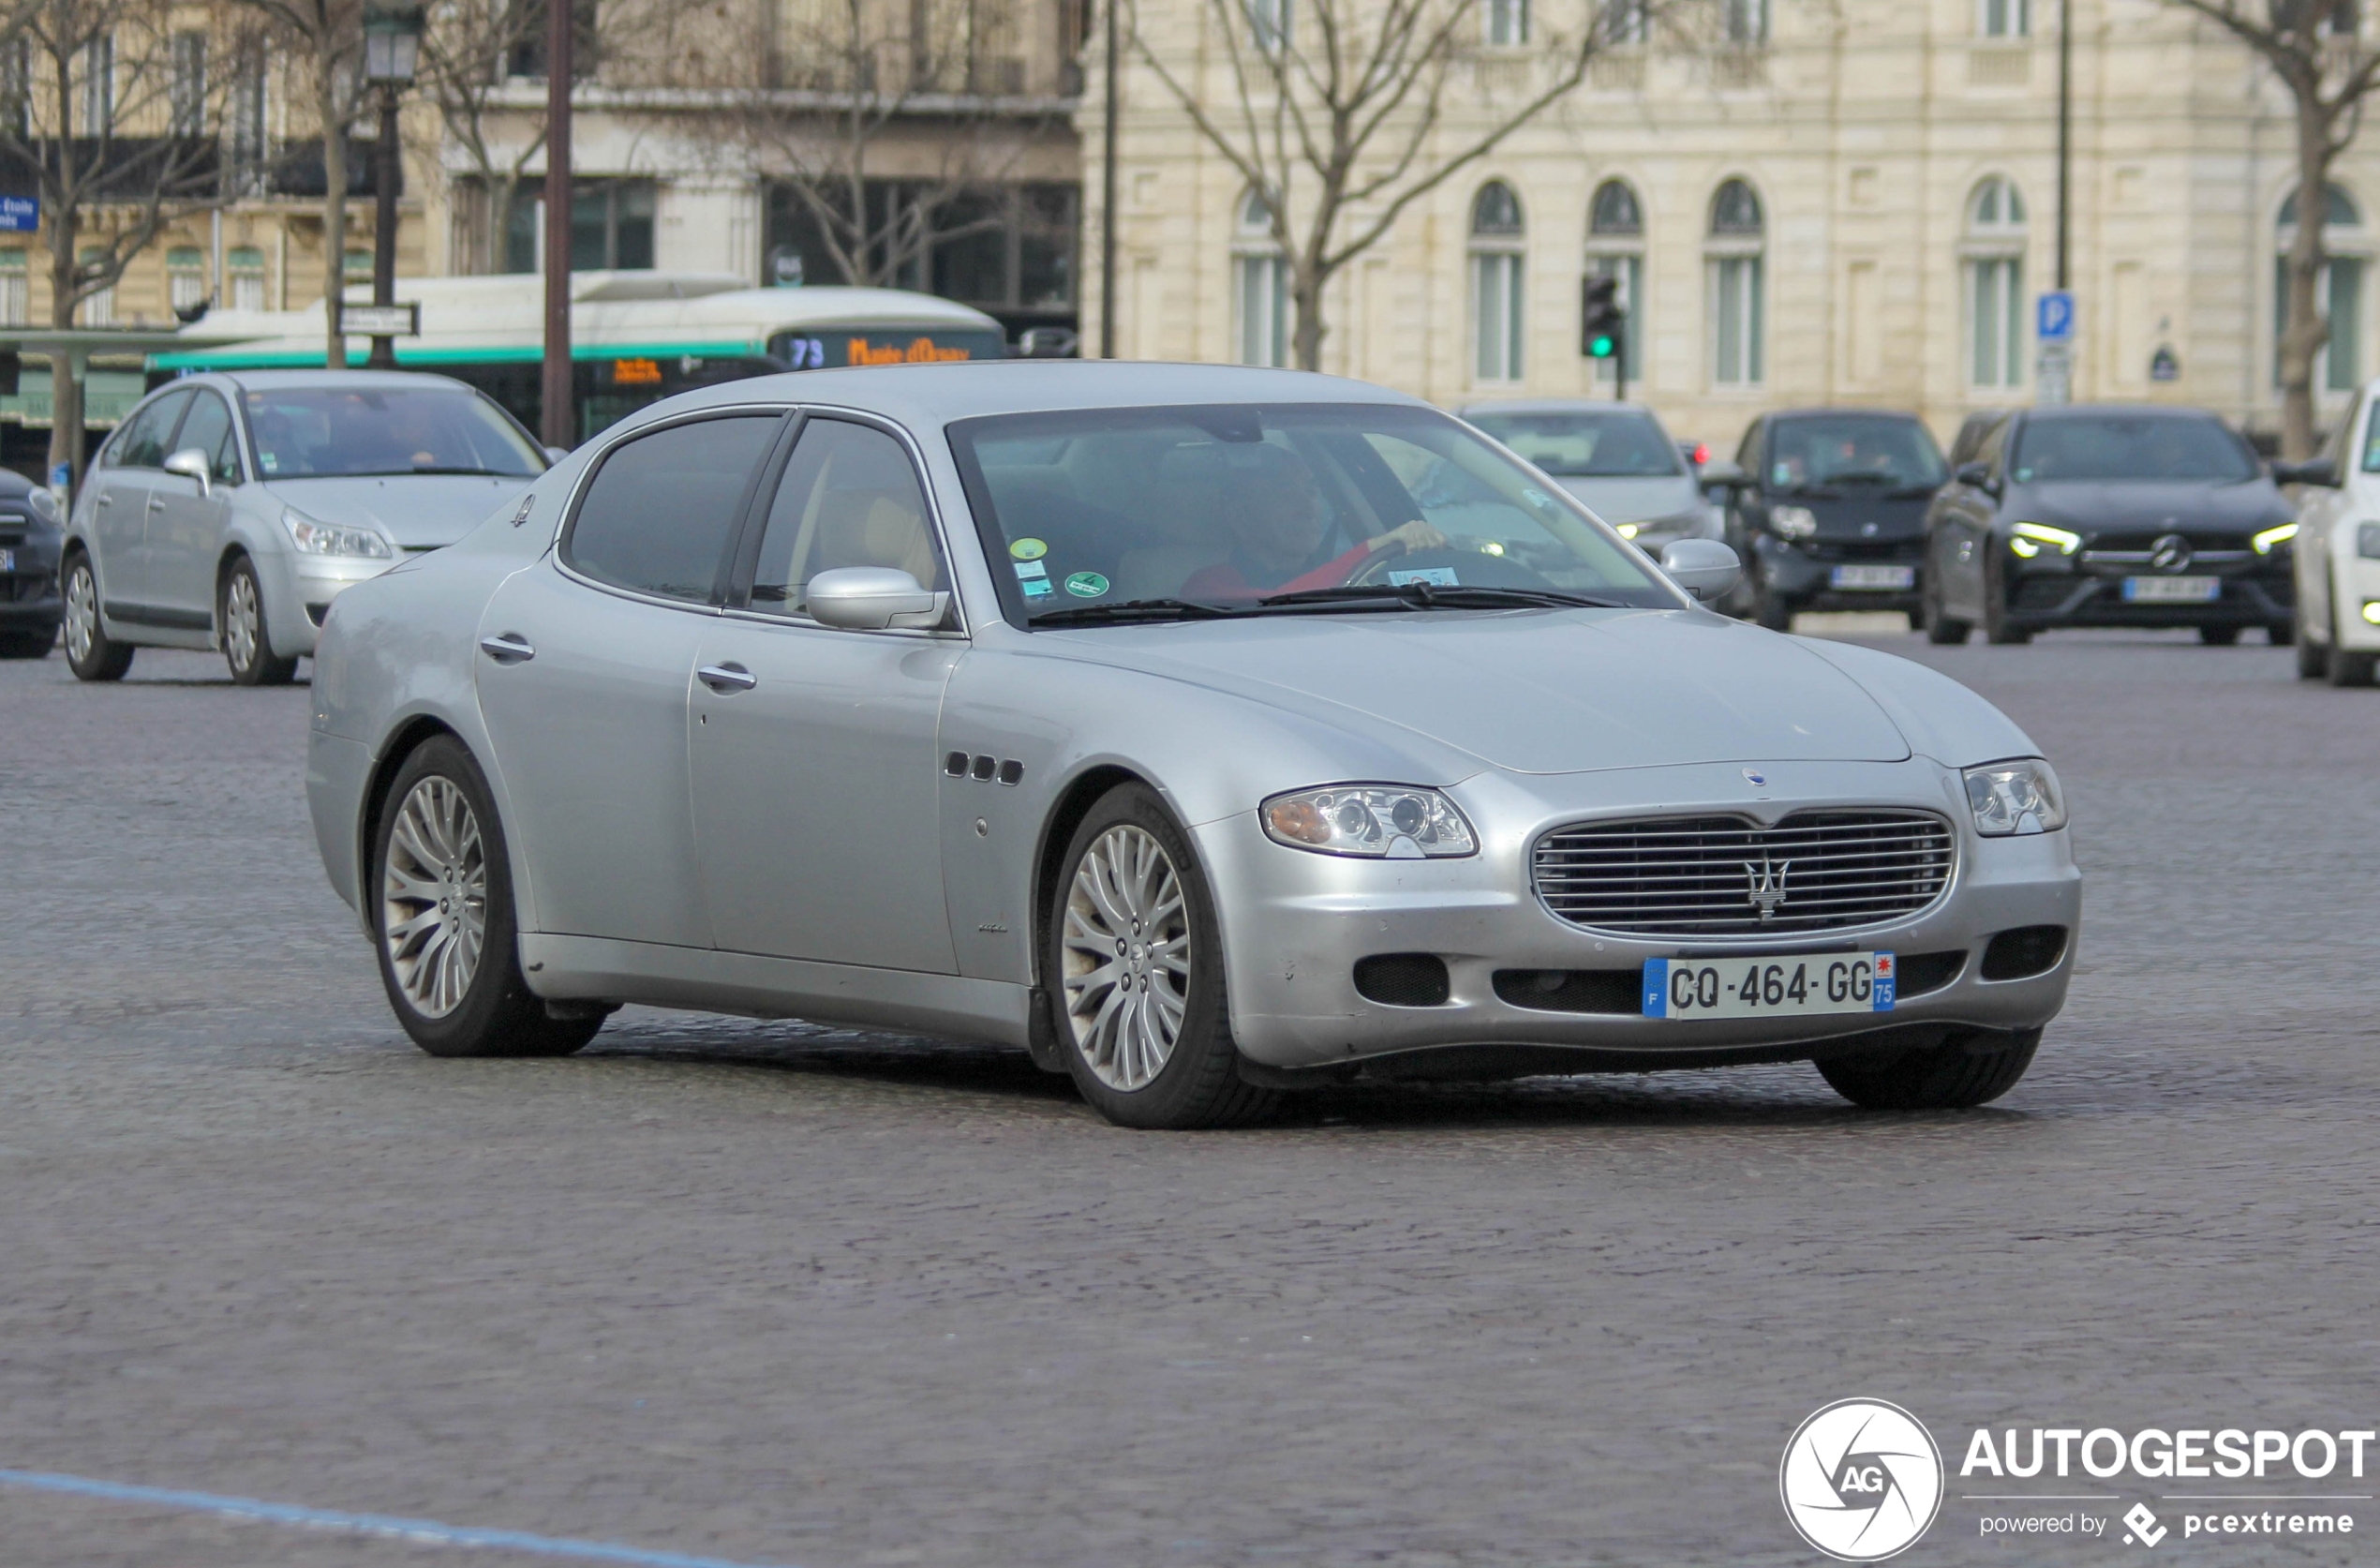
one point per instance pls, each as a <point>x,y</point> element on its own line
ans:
<point>1028,549</point>
<point>1086,585</point>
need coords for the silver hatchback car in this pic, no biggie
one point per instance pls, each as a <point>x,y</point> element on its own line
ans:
<point>1613,456</point>
<point>228,511</point>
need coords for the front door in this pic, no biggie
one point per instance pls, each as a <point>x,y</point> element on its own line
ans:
<point>120,507</point>
<point>583,675</point>
<point>815,775</point>
<point>185,521</point>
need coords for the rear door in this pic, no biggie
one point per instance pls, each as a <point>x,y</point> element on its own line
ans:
<point>584,660</point>
<point>185,519</point>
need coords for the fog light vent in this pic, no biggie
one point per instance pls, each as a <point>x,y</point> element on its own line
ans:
<point>1403,979</point>
<point>2024,952</point>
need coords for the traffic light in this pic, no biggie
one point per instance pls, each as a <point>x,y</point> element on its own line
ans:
<point>1602,322</point>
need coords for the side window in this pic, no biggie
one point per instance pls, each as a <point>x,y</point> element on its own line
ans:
<point>1987,451</point>
<point>208,428</point>
<point>849,498</point>
<point>661,510</point>
<point>142,444</point>
<point>1747,455</point>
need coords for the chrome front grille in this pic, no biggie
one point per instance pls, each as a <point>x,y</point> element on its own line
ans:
<point>1728,876</point>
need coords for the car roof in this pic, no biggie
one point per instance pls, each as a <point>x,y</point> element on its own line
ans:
<point>931,394</point>
<point>1782,414</point>
<point>1554,405</point>
<point>273,381</point>
<point>2149,411</point>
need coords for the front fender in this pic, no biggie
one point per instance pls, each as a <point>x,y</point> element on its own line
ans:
<point>1939,718</point>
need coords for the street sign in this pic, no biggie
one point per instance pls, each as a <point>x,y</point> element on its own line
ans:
<point>20,215</point>
<point>380,320</point>
<point>2163,366</point>
<point>2053,374</point>
<point>2054,316</point>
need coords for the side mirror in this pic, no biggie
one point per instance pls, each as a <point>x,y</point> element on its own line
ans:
<point>2313,470</point>
<point>872,599</point>
<point>1975,476</point>
<point>190,463</point>
<point>1720,472</point>
<point>1703,567</point>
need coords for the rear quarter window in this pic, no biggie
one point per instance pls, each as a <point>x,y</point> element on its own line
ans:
<point>661,512</point>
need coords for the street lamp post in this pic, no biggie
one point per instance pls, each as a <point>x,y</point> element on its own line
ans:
<point>392,50</point>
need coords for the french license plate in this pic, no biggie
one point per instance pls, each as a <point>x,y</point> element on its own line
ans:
<point>8,561</point>
<point>2173,590</point>
<point>1792,986</point>
<point>1873,577</point>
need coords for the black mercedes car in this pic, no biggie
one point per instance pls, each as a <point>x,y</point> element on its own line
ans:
<point>1829,511</point>
<point>30,609</point>
<point>2102,515</point>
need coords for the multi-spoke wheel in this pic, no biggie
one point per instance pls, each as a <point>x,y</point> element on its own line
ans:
<point>1133,962</point>
<point>443,906</point>
<point>1127,945</point>
<point>240,613</point>
<point>90,652</point>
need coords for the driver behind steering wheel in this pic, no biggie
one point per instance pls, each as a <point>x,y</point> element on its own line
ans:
<point>1280,524</point>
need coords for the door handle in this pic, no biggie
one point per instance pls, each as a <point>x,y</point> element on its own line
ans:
<point>727,679</point>
<point>509,649</point>
<point>106,497</point>
<point>156,505</point>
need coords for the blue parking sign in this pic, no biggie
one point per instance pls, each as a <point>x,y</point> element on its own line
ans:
<point>2054,316</point>
<point>20,215</point>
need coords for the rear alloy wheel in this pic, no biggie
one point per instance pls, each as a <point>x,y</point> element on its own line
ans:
<point>90,653</point>
<point>246,647</point>
<point>1135,956</point>
<point>441,895</point>
<point>1970,1067</point>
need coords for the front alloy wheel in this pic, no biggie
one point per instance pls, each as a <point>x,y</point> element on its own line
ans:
<point>245,647</point>
<point>90,652</point>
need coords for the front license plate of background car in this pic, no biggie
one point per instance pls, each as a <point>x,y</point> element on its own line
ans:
<point>1792,985</point>
<point>2188,590</point>
<point>1873,577</point>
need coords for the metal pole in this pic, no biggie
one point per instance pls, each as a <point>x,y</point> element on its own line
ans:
<point>561,419</point>
<point>1107,200</point>
<point>385,177</point>
<point>2065,125</point>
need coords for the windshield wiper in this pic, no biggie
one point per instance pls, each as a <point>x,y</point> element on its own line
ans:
<point>402,474</point>
<point>1135,609</point>
<point>1433,596</point>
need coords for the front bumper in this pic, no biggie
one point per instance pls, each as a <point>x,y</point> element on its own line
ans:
<point>30,600</point>
<point>1802,575</point>
<point>1295,924</point>
<point>2051,591</point>
<point>298,590</point>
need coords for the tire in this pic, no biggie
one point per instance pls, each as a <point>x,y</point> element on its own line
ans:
<point>1771,611</point>
<point>458,990</point>
<point>1129,873</point>
<point>90,652</point>
<point>1973,1066</point>
<point>2345,668</point>
<point>2280,634</point>
<point>1942,629</point>
<point>248,647</point>
<point>28,645</point>
<point>1995,627</point>
<point>2313,660</point>
<point>2219,637</point>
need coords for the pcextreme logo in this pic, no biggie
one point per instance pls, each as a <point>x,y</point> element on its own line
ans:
<point>1860,1480</point>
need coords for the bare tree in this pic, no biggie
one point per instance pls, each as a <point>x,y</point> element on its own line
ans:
<point>107,109</point>
<point>468,56</point>
<point>2317,50</point>
<point>1337,113</point>
<point>327,35</point>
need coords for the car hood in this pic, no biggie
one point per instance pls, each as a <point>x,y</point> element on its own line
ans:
<point>1532,692</point>
<point>2134,504</point>
<point>1637,500</point>
<point>417,510</point>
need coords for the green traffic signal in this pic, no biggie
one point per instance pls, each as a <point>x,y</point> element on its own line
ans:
<point>1601,346</point>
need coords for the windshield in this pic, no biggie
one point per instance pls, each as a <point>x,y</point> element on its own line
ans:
<point>1226,505</point>
<point>314,432</point>
<point>1621,444</point>
<point>2131,446</point>
<point>1842,451</point>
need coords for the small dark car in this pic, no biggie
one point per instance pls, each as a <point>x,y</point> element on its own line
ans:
<point>1829,511</point>
<point>30,609</point>
<point>2106,516</point>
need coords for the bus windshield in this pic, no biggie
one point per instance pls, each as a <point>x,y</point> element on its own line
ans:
<point>319,432</point>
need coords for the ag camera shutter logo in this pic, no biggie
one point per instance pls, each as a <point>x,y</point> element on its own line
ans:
<point>1860,1480</point>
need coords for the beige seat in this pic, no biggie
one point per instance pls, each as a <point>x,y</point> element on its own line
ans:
<point>876,527</point>
<point>1186,513</point>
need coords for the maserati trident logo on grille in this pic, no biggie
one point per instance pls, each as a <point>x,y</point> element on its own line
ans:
<point>1768,886</point>
<point>2170,553</point>
<point>1755,778</point>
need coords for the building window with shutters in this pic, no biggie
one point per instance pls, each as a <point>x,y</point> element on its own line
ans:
<point>245,263</point>
<point>2338,364</point>
<point>2004,19</point>
<point>97,309</point>
<point>1994,249</point>
<point>98,84</point>
<point>1732,260</point>
<point>1505,23</point>
<point>185,278</point>
<point>1615,248</point>
<point>15,297</point>
<point>1498,312</point>
<point>1260,287</point>
<point>188,85</point>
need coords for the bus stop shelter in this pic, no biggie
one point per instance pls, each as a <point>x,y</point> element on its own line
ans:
<point>80,346</point>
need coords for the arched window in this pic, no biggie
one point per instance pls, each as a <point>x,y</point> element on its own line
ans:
<point>2003,18</point>
<point>1498,236</point>
<point>1505,23</point>
<point>1993,245</point>
<point>1262,285</point>
<point>1732,254</point>
<point>1615,248</point>
<point>2338,288</point>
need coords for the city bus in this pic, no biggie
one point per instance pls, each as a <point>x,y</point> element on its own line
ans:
<point>636,337</point>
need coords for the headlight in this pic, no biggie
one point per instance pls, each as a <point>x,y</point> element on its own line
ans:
<point>2367,541</point>
<point>2020,797</point>
<point>2037,535</point>
<point>331,539</point>
<point>1627,530</point>
<point>1791,522</point>
<point>1386,821</point>
<point>2271,536</point>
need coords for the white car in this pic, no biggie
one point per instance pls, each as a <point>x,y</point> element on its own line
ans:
<point>2338,550</point>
